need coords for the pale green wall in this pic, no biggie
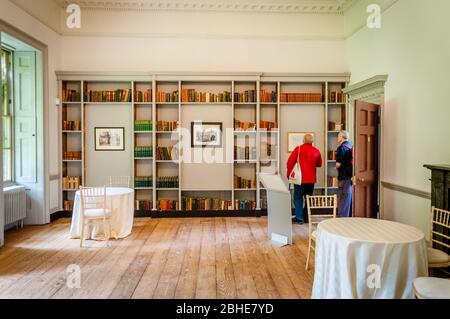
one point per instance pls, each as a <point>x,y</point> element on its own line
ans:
<point>413,48</point>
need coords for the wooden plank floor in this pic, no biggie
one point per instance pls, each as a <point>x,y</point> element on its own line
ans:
<point>162,258</point>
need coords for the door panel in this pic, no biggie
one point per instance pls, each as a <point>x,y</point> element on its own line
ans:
<point>366,160</point>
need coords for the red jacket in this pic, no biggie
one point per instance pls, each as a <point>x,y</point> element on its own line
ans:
<point>310,159</point>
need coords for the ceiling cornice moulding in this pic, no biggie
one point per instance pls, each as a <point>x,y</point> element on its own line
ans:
<point>250,6</point>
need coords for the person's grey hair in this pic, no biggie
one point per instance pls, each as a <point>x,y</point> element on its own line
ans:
<point>345,135</point>
<point>308,139</point>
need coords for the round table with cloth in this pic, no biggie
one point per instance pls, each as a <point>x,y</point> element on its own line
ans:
<point>120,201</point>
<point>360,258</point>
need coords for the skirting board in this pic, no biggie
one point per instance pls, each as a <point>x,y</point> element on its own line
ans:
<point>178,214</point>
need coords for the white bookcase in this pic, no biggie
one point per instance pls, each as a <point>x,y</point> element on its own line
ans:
<point>274,109</point>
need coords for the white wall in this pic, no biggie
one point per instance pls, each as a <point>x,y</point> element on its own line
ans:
<point>413,48</point>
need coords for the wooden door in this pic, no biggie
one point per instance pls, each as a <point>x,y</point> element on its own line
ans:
<point>366,160</point>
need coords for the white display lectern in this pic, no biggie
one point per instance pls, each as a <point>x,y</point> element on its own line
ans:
<point>279,209</point>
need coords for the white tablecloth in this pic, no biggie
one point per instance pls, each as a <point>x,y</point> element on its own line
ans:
<point>120,201</point>
<point>367,258</point>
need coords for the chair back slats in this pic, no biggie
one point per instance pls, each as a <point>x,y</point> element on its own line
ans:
<point>93,197</point>
<point>119,181</point>
<point>320,203</point>
<point>440,227</point>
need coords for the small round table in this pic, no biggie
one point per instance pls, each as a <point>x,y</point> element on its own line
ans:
<point>120,201</point>
<point>367,258</point>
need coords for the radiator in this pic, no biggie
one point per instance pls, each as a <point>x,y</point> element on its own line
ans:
<point>15,204</point>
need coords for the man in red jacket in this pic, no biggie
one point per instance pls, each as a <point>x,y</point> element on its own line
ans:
<point>310,159</point>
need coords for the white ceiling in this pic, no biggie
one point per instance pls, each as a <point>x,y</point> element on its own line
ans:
<point>251,6</point>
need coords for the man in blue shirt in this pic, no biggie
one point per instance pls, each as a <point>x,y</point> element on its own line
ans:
<point>344,165</point>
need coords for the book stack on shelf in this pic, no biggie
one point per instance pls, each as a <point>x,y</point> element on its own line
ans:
<point>168,205</point>
<point>244,204</point>
<point>243,183</point>
<point>143,151</point>
<point>71,126</point>
<point>191,95</point>
<point>336,97</point>
<point>143,125</point>
<point>143,96</point>
<point>244,126</point>
<point>165,153</point>
<point>167,182</point>
<point>166,126</point>
<point>164,97</point>
<point>72,156</point>
<point>248,96</point>
<point>205,204</point>
<point>268,97</point>
<point>247,153</point>
<point>301,97</point>
<point>141,204</point>
<point>68,205</point>
<point>71,182</point>
<point>331,155</point>
<point>268,151</point>
<point>71,96</point>
<point>143,181</point>
<point>333,126</point>
<point>121,96</point>
<point>268,126</point>
<point>332,181</point>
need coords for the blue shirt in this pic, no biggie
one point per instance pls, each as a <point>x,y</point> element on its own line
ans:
<point>344,156</point>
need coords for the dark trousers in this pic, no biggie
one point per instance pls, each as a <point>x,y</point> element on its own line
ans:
<point>345,193</point>
<point>300,192</point>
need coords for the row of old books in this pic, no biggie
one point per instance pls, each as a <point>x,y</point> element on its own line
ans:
<point>245,153</point>
<point>109,96</point>
<point>165,153</point>
<point>72,155</point>
<point>244,126</point>
<point>245,204</point>
<point>240,182</point>
<point>191,95</point>
<point>143,125</point>
<point>143,96</point>
<point>143,151</point>
<point>336,97</point>
<point>168,205</point>
<point>71,125</point>
<point>71,182</point>
<point>164,97</point>
<point>333,126</point>
<point>143,181</point>
<point>268,125</point>
<point>301,97</point>
<point>245,97</point>
<point>332,181</point>
<point>68,205</point>
<point>143,204</point>
<point>166,126</point>
<point>268,96</point>
<point>167,182</point>
<point>71,96</point>
<point>190,203</point>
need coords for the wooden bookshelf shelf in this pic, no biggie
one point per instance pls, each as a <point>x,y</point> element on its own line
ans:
<point>252,101</point>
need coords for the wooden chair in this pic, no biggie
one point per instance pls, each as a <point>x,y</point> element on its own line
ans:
<point>93,210</point>
<point>431,288</point>
<point>439,230</point>
<point>119,181</point>
<point>323,203</point>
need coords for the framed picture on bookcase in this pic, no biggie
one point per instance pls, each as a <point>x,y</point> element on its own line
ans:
<point>296,139</point>
<point>109,139</point>
<point>206,134</point>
